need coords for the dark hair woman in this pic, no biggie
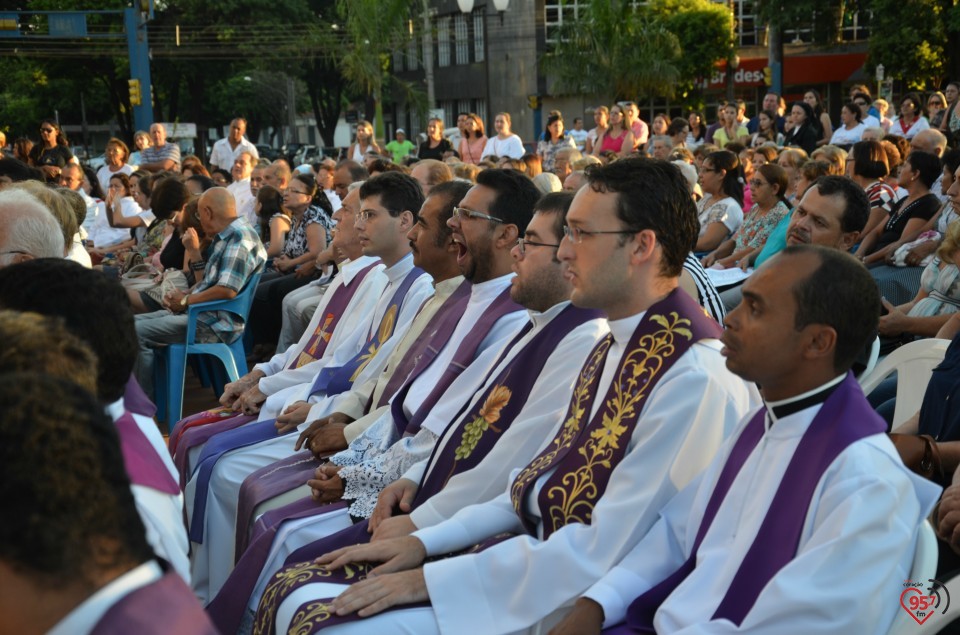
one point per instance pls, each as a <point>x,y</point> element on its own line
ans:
<point>721,209</point>
<point>806,129</point>
<point>53,151</point>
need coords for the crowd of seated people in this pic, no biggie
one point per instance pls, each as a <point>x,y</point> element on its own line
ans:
<point>469,407</point>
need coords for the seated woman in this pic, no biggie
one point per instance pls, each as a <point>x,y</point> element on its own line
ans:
<point>190,242</point>
<point>768,186</point>
<point>275,221</point>
<point>806,131</point>
<point>721,209</point>
<point>936,228</point>
<point>851,130</point>
<point>106,235</point>
<point>868,167</point>
<point>937,300</point>
<point>791,159</point>
<point>909,215</point>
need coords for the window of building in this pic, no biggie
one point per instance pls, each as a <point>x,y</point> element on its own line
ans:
<point>461,38</point>
<point>443,41</point>
<point>479,54</point>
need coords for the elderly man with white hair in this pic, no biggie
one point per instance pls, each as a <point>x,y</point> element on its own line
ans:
<point>27,229</point>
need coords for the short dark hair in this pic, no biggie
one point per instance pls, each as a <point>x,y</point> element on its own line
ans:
<point>926,165</point>
<point>951,160</point>
<point>557,204</point>
<point>65,484</point>
<point>168,197</point>
<point>18,170</point>
<point>516,196</point>
<point>357,171</point>
<point>856,209</point>
<point>452,192</point>
<point>204,182</point>
<point>841,294</point>
<point>854,110</point>
<point>398,192</point>
<point>869,160</point>
<point>95,308</point>
<point>862,95</point>
<point>653,195</point>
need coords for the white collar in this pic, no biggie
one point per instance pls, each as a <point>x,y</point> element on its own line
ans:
<point>490,288</point>
<point>541,319</point>
<point>770,405</point>
<point>399,269</point>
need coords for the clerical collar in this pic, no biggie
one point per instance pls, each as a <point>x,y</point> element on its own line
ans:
<point>786,407</point>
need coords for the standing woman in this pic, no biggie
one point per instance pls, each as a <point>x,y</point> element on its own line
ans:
<point>697,131</point>
<point>363,142</point>
<point>474,140</point>
<point>805,133</point>
<point>617,137</point>
<point>909,214</point>
<point>601,117</point>
<point>554,139</point>
<point>505,143</point>
<point>768,186</point>
<point>720,211</point>
<point>911,119</point>
<point>53,151</point>
<point>436,145</point>
<point>822,119</point>
<point>117,153</point>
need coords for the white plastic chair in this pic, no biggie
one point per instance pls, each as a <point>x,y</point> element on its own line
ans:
<point>924,568</point>
<point>872,361</point>
<point>914,364</point>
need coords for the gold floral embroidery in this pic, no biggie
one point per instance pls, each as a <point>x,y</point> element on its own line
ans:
<point>570,428</point>
<point>308,615</point>
<point>321,333</point>
<point>489,414</point>
<point>577,492</point>
<point>293,576</point>
<point>386,330</point>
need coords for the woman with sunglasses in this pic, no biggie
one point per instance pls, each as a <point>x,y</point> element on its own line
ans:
<point>911,119</point>
<point>53,151</point>
<point>936,108</point>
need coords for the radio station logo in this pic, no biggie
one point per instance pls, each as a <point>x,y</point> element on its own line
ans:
<point>921,603</point>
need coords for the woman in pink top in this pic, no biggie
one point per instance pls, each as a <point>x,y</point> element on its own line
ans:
<point>473,141</point>
<point>612,139</point>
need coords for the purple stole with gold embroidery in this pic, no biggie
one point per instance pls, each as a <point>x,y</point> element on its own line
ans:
<point>844,419</point>
<point>317,344</point>
<point>332,381</point>
<point>164,606</point>
<point>465,354</point>
<point>329,381</point>
<point>593,449</point>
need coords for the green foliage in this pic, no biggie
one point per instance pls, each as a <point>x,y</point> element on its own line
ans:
<point>907,38</point>
<point>617,50</point>
<point>704,30</point>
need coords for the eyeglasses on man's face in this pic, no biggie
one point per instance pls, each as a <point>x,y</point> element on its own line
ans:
<point>523,243</point>
<point>576,235</point>
<point>463,212</point>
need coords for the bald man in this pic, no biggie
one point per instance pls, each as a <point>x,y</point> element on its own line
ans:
<point>235,254</point>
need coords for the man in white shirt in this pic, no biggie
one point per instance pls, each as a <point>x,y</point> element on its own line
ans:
<point>626,237</point>
<point>240,187</point>
<point>74,556</point>
<point>808,491</point>
<point>227,150</point>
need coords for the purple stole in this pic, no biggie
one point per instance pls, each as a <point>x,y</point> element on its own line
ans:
<point>141,460</point>
<point>334,310</point>
<point>291,472</point>
<point>591,450</point>
<point>136,401</point>
<point>844,419</point>
<point>199,429</point>
<point>329,380</point>
<point>463,357</point>
<point>165,606</point>
<point>333,381</point>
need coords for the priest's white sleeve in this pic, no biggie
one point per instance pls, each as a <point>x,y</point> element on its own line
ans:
<point>470,526</point>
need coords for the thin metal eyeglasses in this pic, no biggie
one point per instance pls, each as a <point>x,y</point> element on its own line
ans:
<point>523,243</point>
<point>463,212</point>
<point>576,235</point>
<point>365,215</point>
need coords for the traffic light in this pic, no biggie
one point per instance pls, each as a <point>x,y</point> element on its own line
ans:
<point>533,101</point>
<point>134,85</point>
<point>768,76</point>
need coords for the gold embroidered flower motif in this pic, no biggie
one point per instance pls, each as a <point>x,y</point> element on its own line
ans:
<point>608,434</point>
<point>489,414</point>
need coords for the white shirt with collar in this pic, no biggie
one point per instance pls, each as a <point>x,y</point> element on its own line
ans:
<point>856,547</point>
<point>224,155</point>
<point>246,201</point>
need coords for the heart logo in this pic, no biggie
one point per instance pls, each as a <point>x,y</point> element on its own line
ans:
<point>919,604</point>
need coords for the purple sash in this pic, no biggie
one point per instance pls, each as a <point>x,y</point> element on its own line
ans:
<point>844,419</point>
<point>165,606</point>
<point>141,460</point>
<point>479,430</point>
<point>334,310</point>
<point>207,425</point>
<point>439,329</point>
<point>667,330</point>
<point>336,380</point>
<point>463,357</point>
<point>136,401</point>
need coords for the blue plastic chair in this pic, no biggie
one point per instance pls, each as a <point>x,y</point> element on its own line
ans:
<point>171,361</point>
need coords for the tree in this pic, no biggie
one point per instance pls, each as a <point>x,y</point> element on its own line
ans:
<point>908,38</point>
<point>704,30</point>
<point>615,49</point>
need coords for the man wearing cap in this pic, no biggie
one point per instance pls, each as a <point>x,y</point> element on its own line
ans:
<point>400,147</point>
